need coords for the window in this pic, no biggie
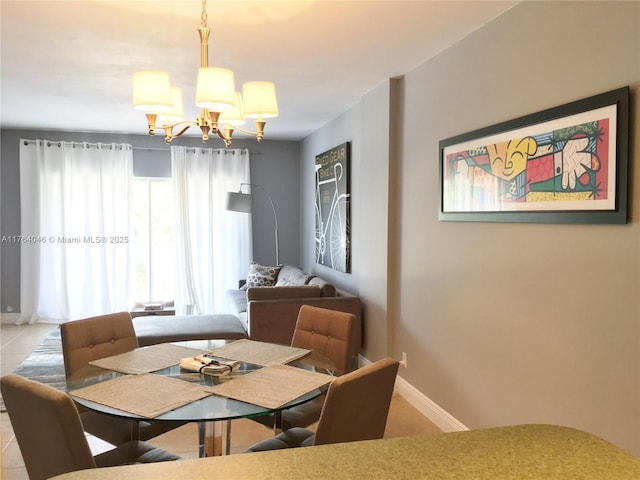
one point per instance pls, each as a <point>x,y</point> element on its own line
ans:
<point>153,249</point>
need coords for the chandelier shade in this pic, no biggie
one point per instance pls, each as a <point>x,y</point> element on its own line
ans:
<point>259,99</point>
<point>176,113</point>
<point>151,91</point>
<point>222,108</point>
<point>235,116</point>
<point>215,89</point>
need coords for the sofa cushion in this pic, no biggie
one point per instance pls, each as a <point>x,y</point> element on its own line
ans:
<point>261,276</point>
<point>283,293</point>
<point>244,321</point>
<point>290,275</point>
<point>238,300</point>
<point>153,329</point>
<point>326,289</point>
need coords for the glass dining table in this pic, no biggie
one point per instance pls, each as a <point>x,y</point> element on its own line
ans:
<point>209,412</point>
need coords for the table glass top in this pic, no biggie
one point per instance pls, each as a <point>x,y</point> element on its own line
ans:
<point>210,408</point>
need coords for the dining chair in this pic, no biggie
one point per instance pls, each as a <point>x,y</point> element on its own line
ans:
<point>94,338</point>
<point>98,337</point>
<point>356,408</point>
<point>328,333</point>
<point>49,432</point>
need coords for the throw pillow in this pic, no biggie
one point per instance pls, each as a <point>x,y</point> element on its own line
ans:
<point>262,276</point>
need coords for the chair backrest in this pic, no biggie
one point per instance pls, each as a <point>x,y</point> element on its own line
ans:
<point>357,404</point>
<point>94,338</point>
<point>47,427</point>
<point>327,332</point>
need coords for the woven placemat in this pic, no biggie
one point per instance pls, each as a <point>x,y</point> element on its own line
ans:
<point>146,359</point>
<point>259,353</point>
<point>272,386</point>
<point>147,395</point>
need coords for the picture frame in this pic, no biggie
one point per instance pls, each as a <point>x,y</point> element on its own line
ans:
<point>567,164</point>
<point>333,208</point>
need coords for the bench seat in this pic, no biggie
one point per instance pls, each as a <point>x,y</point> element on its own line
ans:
<point>154,329</point>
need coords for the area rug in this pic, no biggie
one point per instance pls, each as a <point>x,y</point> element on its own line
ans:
<point>45,364</point>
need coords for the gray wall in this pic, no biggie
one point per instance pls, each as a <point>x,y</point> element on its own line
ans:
<point>502,323</point>
<point>371,157</point>
<point>274,166</point>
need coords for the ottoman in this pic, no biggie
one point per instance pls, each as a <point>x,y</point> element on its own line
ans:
<point>153,329</point>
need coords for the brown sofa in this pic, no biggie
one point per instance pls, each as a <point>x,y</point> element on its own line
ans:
<point>269,313</point>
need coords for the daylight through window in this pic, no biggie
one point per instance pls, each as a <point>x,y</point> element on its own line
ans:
<point>153,250</point>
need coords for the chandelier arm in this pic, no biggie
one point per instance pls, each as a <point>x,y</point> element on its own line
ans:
<point>259,134</point>
<point>184,129</point>
<point>186,123</point>
<point>246,132</point>
<point>168,130</point>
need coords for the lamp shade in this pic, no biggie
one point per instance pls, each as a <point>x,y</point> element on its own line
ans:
<point>176,114</point>
<point>239,202</point>
<point>259,99</point>
<point>235,116</point>
<point>151,91</point>
<point>215,89</point>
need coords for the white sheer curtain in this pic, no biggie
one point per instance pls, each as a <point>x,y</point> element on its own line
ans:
<point>213,245</point>
<point>75,228</point>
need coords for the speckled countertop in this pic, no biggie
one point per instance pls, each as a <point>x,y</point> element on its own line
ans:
<point>519,453</point>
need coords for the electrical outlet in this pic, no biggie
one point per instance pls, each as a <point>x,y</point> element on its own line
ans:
<point>403,362</point>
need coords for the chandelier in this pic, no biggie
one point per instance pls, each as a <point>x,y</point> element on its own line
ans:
<point>222,109</point>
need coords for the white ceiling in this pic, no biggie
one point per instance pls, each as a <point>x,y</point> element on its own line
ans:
<point>68,65</point>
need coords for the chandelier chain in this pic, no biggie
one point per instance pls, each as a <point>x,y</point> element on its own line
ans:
<point>203,17</point>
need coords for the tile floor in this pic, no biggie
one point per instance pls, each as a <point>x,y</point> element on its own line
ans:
<point>18,341</point>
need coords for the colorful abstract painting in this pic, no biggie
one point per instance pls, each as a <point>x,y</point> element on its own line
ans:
<point>564,164</point>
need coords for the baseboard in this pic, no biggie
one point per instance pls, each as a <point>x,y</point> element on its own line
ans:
<point>9,317</point>
<point>427,407</point>
<point>12,318</point>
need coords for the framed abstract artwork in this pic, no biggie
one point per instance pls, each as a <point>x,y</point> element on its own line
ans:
<point>567,164</point>
<point>333,231</point>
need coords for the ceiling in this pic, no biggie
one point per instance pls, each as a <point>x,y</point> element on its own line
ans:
<point>68,65</point>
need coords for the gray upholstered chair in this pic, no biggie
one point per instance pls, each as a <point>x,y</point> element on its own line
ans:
<point>356,408</point>
<point>328,333</point>
<point>92,339</point>
<point>50,435</point>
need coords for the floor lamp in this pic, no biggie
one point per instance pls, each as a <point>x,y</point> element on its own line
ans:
<point>241,202</point>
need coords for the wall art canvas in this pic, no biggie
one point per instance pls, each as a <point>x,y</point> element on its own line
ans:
<point>332,237</point>
<point>563,165</point>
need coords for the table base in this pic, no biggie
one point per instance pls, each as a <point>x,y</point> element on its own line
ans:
<point>211,437</point>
